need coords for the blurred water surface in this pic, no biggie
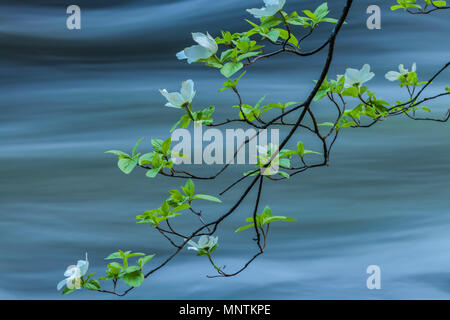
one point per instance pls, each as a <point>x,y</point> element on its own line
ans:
<point>67,96</point>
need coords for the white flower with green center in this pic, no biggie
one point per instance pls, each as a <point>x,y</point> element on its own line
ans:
<point>182,98</point>
<point>270,9</point>
<point>206,48</point>
<point>394,75</point>
<point>265,154</point>
<point>354,77</point>
<point>73,275</point>
<point>205,243</point>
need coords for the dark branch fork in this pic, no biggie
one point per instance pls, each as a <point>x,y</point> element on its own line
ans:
<point>260,233</point>
<point>425,11</point>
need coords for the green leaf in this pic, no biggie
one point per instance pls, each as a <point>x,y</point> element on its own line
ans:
<point>135,254</point>
<point>310,14</point>
<point>114,255</point>
<point>146,158</point>
<point>206,197</point>
<point>181,207</point>
<point>92,284</point>
<point>439,3</point>
<point>136,147</point>
<point>396,7</point>
<point>277,218</point>
<point>330,20</point>
<point>244,227</point>
<point>273,35</point>
<point>247,55</point>
<point>165,208</point>
<point>151,173</point>
<point>142,261</point>
<point>127,165</point>
<point>134,279</point>
<point>131,269</point>
<point>118,153</point>
<point>299,21</point>
<point>67,291</point>
<point>189,188</point>
<point>177,196</point>
<point>165,146</point>
<point>284,174</point>
<point>157,145</point>
<point>300,149</point>
<point>231,68</point>
<point>270,22</point>
<point>351,92</point>
<point>326,124</point>
<point>115,265</point>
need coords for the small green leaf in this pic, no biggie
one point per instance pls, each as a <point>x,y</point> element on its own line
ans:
<point>244,227</point>
<point>165,146</point>
<point>127,165</point>
<point>206,197</point>
<point>92,284</point>
<point>146,158</point>
<point>118,153</point>
<point>134,279</point>
<point>115,265</point>
<point>136,147</point>
<point>142,261</point>
<point>151,173</point>
<point>231,68</point>
<point>326,124</point>
<point>130,269</point>
<point>284,174</point>
<point>115,255</point>
<point>273,35</point>
<point>351,92</point>
<point>181,207</point>
<point>189,188</point>
<point>67,291</point>
<point>157,144</point>
<point>310,14</point>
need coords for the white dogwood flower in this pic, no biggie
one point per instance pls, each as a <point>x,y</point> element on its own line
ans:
<point>180,99</point>
<point>206,47</point>
<point>73,275</point>
<point>354,77</point>
<point>394,75</point>
<point>205,243</point>
<point>270,9</point>
<point>265,154</point>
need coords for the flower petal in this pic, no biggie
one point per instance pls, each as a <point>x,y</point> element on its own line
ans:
<point>351,76</point>
<point>402,69</point>
<point>181,55</point>
<point>203,241</point>
<point>70,271</point>
<point>366,77</point>
<point>61,284</point>
<point>196,53</point>
<point>270,9</point>
<point>187,90</point>
<point>213,47</point>
<point>193,244</point>
<point>82,266</point>
<point>392,75</point>
<point>174,98</point>
<point>206,41</point>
